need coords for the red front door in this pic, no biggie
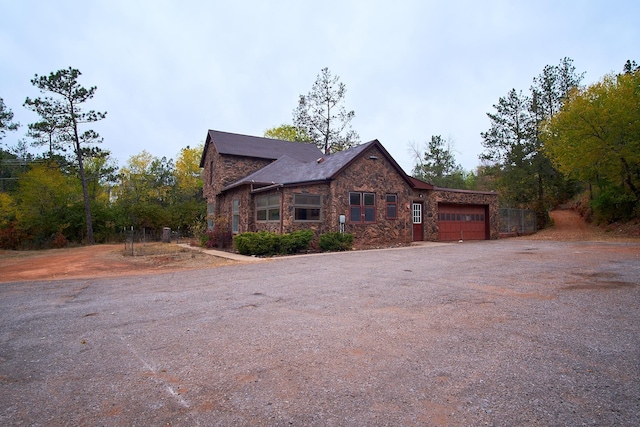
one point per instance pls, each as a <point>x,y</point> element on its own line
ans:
<point>418,231</point>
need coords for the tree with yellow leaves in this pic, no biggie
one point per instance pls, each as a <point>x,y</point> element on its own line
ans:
<point>596,138</point>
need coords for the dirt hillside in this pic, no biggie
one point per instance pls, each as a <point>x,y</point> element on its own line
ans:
<point>570,226</point>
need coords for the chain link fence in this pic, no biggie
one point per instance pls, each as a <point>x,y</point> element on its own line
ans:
<point>517,221</point>
<point>140,237</point>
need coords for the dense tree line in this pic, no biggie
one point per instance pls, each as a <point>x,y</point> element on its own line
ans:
<point>42,204</point>
<point>595,139</point>
<point>558,142</point>
<point>74,191</point>
<point>523,175</point>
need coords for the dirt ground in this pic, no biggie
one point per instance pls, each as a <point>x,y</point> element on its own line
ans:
<point>569,226</point>
<point>110,260</point>
<point>101,261</point>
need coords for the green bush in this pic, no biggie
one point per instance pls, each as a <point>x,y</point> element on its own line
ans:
<point>336,241</point>
<point>613,204</point>
<point>264,243</point>
<point>295,242</point>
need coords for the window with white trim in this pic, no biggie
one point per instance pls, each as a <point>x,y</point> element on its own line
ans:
<point>307,207</point>
<point>362,207</point>
<point>268,208</point>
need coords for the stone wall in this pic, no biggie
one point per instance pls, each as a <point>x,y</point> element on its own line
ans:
<point>224,205</point>
<point>376,176</point>
<point>460,197</point>
<point>226,170</point>
<point>288,215</point>
<point>363,175</point>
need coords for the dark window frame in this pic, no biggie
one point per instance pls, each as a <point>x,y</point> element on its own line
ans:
<point>270,208</point>
<point>362,212</point>
<point>303,208</point>
<point>393,204</point>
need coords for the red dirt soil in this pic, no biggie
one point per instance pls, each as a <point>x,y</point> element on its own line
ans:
<point>99,261</point>
<point>570,226</point>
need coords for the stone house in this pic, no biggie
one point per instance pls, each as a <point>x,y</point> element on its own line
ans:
<point>255,184</point>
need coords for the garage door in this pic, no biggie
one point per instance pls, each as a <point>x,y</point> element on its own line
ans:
<point>462,222</point>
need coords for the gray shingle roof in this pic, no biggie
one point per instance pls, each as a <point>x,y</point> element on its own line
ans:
<point>287,170</point>
<point>294,162</point>
<point>263,148</point>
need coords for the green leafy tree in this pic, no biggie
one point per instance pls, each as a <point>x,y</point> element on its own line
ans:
<point>188,174</point>
<point>163,180</point>
<point>523,174</point>
<point>630,67</point>
<point>47,203</point>
<point>508,147</point>
<point>288,133</point>
<point>154,192</point>
<point>145,191</point>
<point>6,117</point>
<point>49,130</point>
<point>12,164</point>
<point>64,109</point>
<point>101,173</point>
<point>322,116</point>
<point>6,124</point>
<point>7,210</point>
<point>596,138</point>
<point>437,164</point>
<point>189,206</point>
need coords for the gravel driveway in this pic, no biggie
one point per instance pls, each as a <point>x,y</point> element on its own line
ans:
<point>509,332</point>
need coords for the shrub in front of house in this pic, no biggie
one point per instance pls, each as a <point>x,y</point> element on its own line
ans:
<point>264,243</point>
<point>220,237</point>
<point>296,241</point>
<point>335,241</point>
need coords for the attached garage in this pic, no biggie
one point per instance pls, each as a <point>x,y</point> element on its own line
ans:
<point>463,222</point>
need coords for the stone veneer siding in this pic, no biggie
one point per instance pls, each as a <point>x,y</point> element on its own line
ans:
<point>434,197</point>
<point>379,177</point>
<point>288,215</point>
<point>224,207</point>
<point>226,170</point>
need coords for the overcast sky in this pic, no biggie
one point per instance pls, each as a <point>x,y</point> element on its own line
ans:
<point>167,71</point>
